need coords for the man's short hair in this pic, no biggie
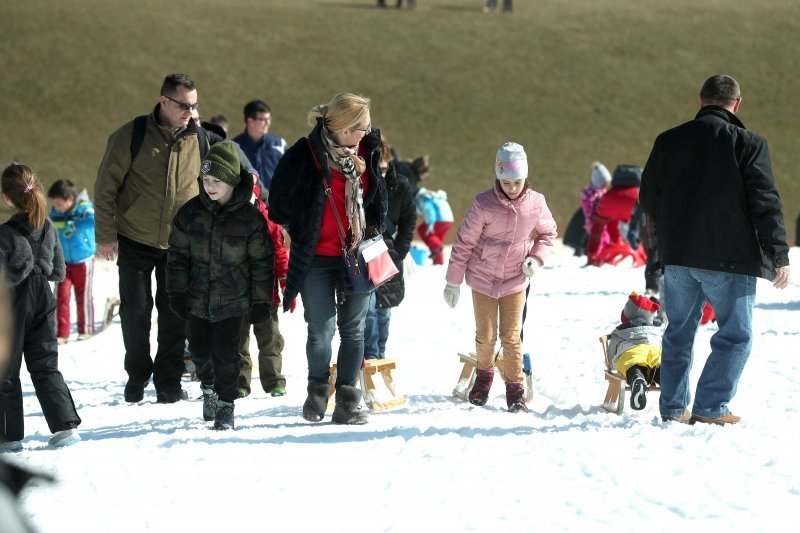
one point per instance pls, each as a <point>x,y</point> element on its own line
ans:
<point>720,89</point>
<point>63,189</point>
<point>173,81</point>
<point>252,109</point>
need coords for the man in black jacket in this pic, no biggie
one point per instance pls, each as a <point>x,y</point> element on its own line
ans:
<point>708,185</point>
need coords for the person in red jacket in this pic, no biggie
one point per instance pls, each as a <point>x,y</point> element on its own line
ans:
<point>268,335</point>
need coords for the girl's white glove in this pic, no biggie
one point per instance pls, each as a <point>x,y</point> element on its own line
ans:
<point>451,295</point>
<point>529,266</point>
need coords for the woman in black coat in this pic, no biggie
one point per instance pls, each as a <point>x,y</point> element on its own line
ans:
<point>336,165</point>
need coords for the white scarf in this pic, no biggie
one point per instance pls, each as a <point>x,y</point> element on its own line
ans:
<point>352,166</point>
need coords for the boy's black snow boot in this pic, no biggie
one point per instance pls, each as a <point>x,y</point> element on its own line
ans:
<point>515,397</point>
<point>638,385</point>
<point>223,419</point>
<point>317,401</point>
<point>483,383</point>
<point>347,410</point>
<point>209,404</point>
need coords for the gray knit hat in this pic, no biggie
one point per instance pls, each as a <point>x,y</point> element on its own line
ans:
<point>222,162</point>
<point>511,162</point>
<point>600,175</point>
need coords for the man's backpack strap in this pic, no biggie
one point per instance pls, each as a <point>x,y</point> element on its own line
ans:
<point>202,141</point>
<point>137,138</point>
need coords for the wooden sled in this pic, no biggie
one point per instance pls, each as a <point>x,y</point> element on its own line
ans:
<point>614,401</point>
<point>467,378</point>
<point>366,376</point>
<point>112,310</point>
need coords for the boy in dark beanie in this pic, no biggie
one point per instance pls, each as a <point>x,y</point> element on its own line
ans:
<point>219,269</point>
<point>635,346</point>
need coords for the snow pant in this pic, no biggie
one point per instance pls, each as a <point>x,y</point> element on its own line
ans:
<point>270,353</point>
<point>34,339</point>
<point>80,276</point>
<point>215,353</point>
<point>646,356</point>
<point>433,237</point>
<point>136,264</point>
<point>509,308</point>
<point>328,304</point>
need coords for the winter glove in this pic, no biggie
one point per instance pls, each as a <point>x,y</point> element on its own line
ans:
<point>529,266</point>
<point>451,295</point>
<point>259,313</point>
<point>179,304</point>
<point>282,285</point>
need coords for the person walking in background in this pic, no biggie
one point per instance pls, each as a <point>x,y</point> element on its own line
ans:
<point>73,216</point>
<point>437,218</point>
<point>494,254</point>
<point>491,5</point>
<point>30,257</point>
<point>397,233</point>
<point>268,334</point>
<point>219,270</point>
<point>335,167</point>
<point>148,172</point>
<point>709,187</point>
<point>262,148</point>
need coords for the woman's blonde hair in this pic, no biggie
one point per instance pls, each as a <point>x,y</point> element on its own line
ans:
<point>345,110</point>
<point>22,187</point>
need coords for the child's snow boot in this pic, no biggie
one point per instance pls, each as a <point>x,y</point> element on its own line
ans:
<point>223,418</point>
<point>515,398</point>
<point>638,385</point>
<point>483,383</point>
<point>316,402</point>
<point>63,438</point>
<point>347,410</point>
<point>209,404</point>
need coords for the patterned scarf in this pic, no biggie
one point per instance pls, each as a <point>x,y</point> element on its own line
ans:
<point>352,166</point>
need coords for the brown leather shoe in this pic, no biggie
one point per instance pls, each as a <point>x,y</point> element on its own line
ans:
<point>685,418</point>
<point>728,418</point>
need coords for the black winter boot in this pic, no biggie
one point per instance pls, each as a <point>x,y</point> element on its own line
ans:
<point>316,402</point>
<point>347,410</point>
<point>209,404</point>
<point>223,419</point>
<point>515,397</point>
<point>638,383</point>
<point>480,390</point>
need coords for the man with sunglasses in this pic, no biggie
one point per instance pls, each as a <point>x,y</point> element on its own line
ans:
<point>148,172</point>
<point>261,147</point>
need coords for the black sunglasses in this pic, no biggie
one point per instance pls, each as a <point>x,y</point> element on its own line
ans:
<point>183,105</point>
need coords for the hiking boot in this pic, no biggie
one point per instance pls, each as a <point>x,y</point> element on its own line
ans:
<point>638,383</point>
<point>316,402</point>
<point>11,446</point>
<point>84,336</point>
<point>515,398</point>
<point>347,410</point>
<point>278,391</point>
<point>171,396</point>
<point>480,390</point>
<point>62,439</point>
<point>223,417</point>
<point>683,419</point>
<point>134,390</point>
<point>209,404</point>
<point>62,340</point>
<point>728,418</point>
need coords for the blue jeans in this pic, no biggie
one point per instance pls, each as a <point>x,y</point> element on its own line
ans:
<point>732,296</point>
<point>328,305</point>
<point>376,329</point>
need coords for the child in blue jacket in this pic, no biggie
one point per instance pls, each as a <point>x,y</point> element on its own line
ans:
<point>73,216</point>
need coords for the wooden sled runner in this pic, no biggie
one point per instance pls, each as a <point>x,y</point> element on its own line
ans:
<point>112,310</point>
<point>614,401</point>
<point>467,378</point>
<point>366,377</point>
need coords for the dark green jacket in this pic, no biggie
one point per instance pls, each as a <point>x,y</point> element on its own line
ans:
<point>221,257</point>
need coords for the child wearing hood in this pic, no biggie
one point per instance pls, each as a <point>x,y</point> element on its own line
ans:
<point>503,240</point>
<point>219,269</point>
<point>635,346</point>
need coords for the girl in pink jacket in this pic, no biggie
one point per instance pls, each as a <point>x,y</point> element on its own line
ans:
<point>494,253</point>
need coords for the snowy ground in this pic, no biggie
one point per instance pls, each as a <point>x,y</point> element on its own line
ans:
<point>435,464</point>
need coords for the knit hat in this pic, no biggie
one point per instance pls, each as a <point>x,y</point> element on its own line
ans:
<point>639,306</point>
<point>600,175</point>
<point>511,162</point>
<point>222,162</point>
